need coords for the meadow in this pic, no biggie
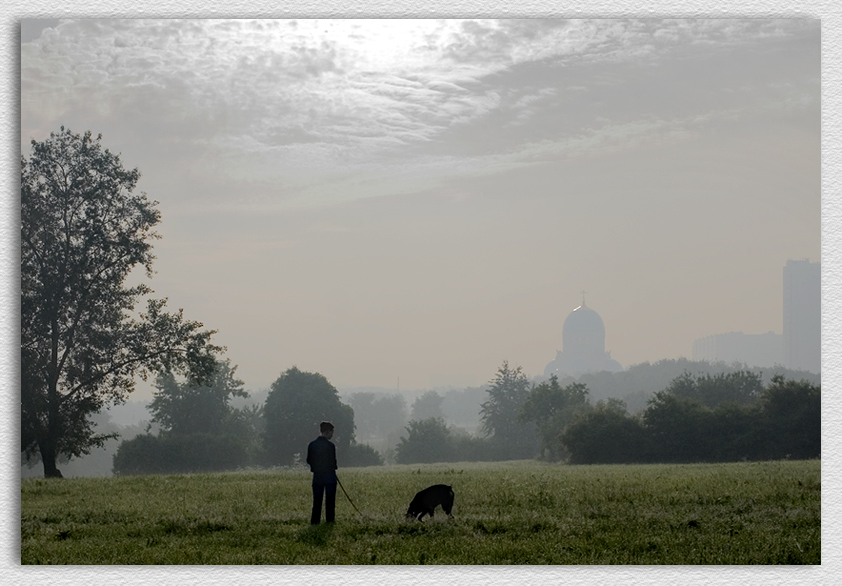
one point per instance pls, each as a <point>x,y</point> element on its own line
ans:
<point>522,512</point>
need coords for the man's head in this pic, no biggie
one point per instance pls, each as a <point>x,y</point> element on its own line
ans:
<point>326,429</point>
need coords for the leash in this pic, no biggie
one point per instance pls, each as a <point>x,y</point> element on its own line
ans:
<point>348,497</point>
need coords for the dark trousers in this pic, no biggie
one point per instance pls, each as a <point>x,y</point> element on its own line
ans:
<point>328,489</point>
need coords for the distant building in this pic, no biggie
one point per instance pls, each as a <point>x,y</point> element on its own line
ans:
<point>750,349</point>
<point>799,348</point>
<point>802,315</point>
<point>583,343</point>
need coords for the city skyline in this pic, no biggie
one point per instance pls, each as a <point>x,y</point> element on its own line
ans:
<point>423,200</point>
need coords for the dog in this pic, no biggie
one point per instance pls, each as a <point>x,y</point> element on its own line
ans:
<point>426,501</point>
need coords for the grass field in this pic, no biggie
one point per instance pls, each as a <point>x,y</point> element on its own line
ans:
<point>505,513</point>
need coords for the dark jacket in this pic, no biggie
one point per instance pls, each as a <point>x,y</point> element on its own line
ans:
<point>321,456</point>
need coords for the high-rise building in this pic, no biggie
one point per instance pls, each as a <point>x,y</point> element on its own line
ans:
<point>802,315</point>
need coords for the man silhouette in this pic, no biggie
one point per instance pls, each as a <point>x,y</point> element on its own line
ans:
<point>321,456</point>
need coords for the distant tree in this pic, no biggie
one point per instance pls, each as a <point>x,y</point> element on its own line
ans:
<point>172,453</point>
<point>679,427</point>
<point>470,448</point>
<point>726,417</point>
<point>462,406</point>
<point>390,414</point>
<point>511,438</point>
<point>731,433</point>
<point>99,462</point>
<point>636,384</point>
<point>782,421</point>
<point>248,425</point>
<point>364,419</point>
<point>790,413</point>
<point>605,434</point>
<point>427,441</point>
<point>378,415</point>
<point>83,231</point>
<point>427,406</point>
<point>187,407</point>
<point>553,407</point>
<point>741,387</point>
<point>198,415</point>
<point>362,455</point>
<point>296,403</point>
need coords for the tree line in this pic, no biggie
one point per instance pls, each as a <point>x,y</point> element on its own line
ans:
<point>84,342</point>
<point>696,418</point>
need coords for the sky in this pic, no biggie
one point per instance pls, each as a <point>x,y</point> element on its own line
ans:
<point>408,203</point>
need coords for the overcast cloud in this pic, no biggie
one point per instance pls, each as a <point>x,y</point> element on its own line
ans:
<point>424,199</point>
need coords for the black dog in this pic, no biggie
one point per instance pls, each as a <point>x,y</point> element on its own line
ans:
<point>426,501</point>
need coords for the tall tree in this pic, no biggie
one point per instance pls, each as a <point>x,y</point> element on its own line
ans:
<point>427,406</point>
<point>378,415</point>
<point>188,407</point>
<point>553,407</point>
<point>297,402</point>
<point>508,391</point>
<point>83,230</point>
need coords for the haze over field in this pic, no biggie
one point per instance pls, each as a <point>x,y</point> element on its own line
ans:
<point>420,200</point>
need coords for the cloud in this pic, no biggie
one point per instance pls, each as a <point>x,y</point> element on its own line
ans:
<point>296,106</point>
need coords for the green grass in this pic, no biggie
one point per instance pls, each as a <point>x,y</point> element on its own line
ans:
<point>505,513</point>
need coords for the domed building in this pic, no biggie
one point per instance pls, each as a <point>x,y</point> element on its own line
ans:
<point>583,343</point>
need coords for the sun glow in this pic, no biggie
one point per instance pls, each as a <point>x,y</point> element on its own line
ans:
<point>384,44</point>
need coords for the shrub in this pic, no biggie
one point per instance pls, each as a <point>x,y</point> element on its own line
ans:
<point>429,440</point>
<point>362,455</point>
<point>606,434</point>
<point>170,454</point>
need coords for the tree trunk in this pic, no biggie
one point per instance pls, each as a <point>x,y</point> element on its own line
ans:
<point>47,443</point>
<point>48,457</point>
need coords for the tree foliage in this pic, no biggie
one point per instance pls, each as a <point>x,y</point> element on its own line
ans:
<point>174,453</point>
<point>742,387</point>
<point>83,230</point>
<point>377,415</point>
<point>605,434</point>
<point>187,407</point>
<point>684,424</point>
<point>427,406</point>
<point>678,426</point>
<point>362,455</point>
<point>296,403</point>
<point>511,437</point>
<point>636,384</point>
<point>553,407</point>
<point>428,440</point>
<point>791,414</point>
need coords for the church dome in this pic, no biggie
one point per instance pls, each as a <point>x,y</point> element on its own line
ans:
<point>583,339</point>
<point>583,331</point>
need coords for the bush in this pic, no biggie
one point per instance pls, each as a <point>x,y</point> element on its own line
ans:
<point>362,455</point>
<point>467,448</point>
<point>790,413</point>
<point>429,440</point>
<point>172,454</point>
<point>606,434</point>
